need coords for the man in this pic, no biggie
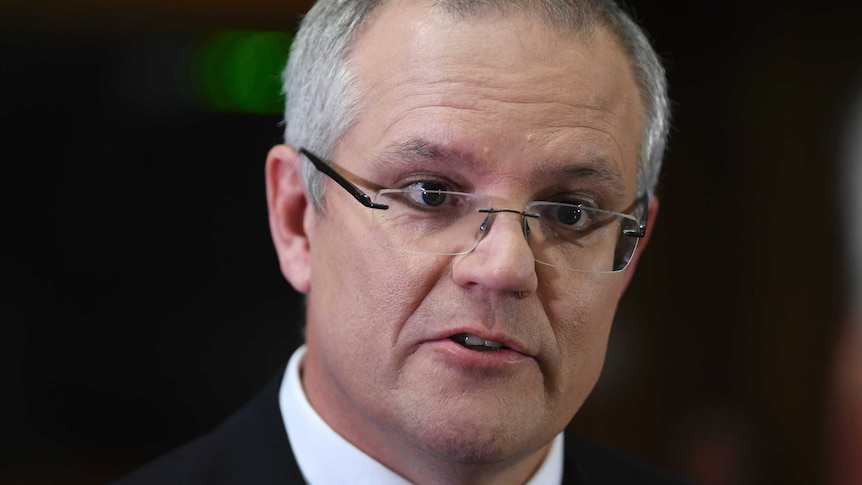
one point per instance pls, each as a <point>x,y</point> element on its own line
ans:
<point>494,165</point>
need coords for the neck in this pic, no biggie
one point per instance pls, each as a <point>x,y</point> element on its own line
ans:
<point>425,467</point>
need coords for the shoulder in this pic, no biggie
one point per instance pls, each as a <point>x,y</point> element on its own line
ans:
<point>589,462</point>
<point>249,447</point>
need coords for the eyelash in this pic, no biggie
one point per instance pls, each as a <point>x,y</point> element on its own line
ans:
<point>429,182</point>
<point>433,182</point>
<point>583,201</point>
<point>428,185</point>
<point>573,198</point>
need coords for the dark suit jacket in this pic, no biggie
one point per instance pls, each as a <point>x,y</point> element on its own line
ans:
<point>252,448</point>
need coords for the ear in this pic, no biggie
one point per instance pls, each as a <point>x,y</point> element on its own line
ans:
<point>288,204</point>
<point>652,211</point>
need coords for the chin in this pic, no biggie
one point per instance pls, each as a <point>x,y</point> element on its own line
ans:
<point>459,434</point>
<point>473,446</point>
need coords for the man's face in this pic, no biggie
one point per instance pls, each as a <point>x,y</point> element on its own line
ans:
<point>502,107</point>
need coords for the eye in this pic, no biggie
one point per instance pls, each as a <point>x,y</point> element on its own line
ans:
<point>567,218</point>
<point>428,193</point>
<point>571,215</point>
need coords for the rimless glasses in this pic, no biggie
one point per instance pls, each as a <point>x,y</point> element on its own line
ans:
<point>440,222</point>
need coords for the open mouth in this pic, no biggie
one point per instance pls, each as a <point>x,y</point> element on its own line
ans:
<point>473,342</point>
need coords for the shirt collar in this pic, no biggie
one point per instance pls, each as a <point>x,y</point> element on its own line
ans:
<point>320,446</point>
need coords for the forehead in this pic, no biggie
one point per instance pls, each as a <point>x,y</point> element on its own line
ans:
<point>506,91</point>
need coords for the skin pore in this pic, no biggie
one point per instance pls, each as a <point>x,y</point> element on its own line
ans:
<point>500,106</point>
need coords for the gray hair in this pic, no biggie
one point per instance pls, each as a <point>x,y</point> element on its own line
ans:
<point>323,98</point>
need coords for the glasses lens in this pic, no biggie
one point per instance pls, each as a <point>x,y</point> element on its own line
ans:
<point>429,221</point>
<point>448,223</point>
<point>581,238</point>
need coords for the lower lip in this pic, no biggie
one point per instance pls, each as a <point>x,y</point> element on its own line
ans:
<point>457,355</point>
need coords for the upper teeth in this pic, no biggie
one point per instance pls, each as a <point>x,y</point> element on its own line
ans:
<point>471,339</point>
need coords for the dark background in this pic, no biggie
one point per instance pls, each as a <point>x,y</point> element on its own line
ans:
<point>141,299</point>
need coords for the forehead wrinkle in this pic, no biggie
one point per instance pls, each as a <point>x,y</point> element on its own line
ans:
<point>419,151</point>
<point>489,99</point>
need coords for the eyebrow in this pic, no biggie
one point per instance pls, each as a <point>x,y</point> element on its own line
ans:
<point>418,151</point>
<point>595,168</point>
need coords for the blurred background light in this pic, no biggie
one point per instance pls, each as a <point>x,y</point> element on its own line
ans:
<point>238,71</point>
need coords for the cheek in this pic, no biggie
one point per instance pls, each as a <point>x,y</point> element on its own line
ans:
<point>363,293</point>
<point>361,296</point>
<point>581,315</point>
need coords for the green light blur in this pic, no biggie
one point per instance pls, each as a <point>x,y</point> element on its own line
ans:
<point>239,71</point>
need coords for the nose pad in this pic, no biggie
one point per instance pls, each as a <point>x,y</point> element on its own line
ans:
<point>502,262</point>
<point>483,228</point>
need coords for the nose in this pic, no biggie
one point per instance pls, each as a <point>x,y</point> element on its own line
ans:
<point>503,260</point>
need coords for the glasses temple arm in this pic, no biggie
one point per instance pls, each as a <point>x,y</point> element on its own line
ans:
<point>641,211</point>
<point>327,170</point>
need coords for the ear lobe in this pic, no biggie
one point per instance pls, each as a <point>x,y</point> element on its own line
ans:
<point>652,212</point>
<point>287,201</point>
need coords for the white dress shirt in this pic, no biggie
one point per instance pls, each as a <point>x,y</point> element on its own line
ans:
<point>324,457</point>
